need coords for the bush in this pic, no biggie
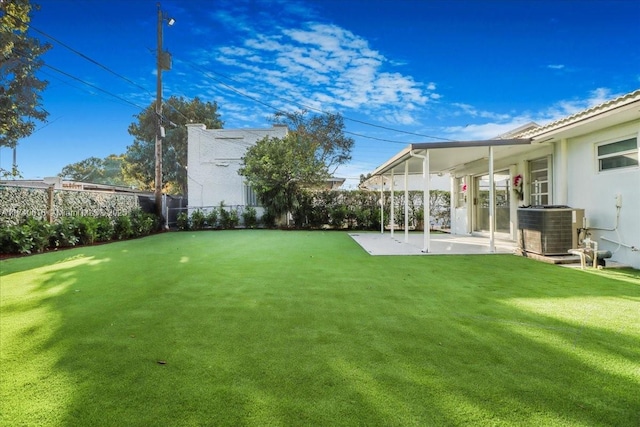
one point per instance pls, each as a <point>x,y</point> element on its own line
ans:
<point>211,219</point>
<point>16,239</point>
<point>182,221</point>
<point>31,236</point>
<point>228,218</point>
<point>338,214</point>
<point>87,229</point>
<point>64,233</point>
<point>268,219</point>
<point>104,229</point>
<point>142,223</point>
<point>41,232</point>
<point>197,220</point>
<point>122,228</point>
<point>250,217</point>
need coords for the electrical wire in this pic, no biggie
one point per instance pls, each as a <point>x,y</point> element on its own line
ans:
<point>57,70</point>
<point>306,107</point>
<point>77,52</point>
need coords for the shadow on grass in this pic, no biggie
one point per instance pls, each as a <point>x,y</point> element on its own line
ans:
<point>275,328</point>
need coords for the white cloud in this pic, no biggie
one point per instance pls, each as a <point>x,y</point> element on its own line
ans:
<point>326,67</point>
<point>501,123</point>
<point>555,66</point>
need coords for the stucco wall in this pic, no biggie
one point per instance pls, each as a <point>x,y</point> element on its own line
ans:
<point>214,158</point>
<point>596,192</point>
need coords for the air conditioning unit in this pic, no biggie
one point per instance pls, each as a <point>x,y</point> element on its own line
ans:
<point>549,229</point>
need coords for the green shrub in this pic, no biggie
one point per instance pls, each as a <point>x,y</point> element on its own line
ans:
<point>268,219</point>
<point>211,218</point>
<point>338,214</point>
<point>197,220</point>
<point>87,229</point>
<point>104,229</point>
<point>64,233</point>
<point>32,236</point>
<point>41,232</point>
<point>182,221</point>
<point>16,239</point>
<point>143,223</point>
<point>250,217</point>
<point>122,228</point>
<point>228,218</point>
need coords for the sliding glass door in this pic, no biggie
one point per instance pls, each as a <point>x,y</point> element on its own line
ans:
<point>502,186</point>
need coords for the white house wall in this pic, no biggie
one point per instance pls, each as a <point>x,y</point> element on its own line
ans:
<point>461,216</point>
<point>214,158</point>
<point>596,192</point>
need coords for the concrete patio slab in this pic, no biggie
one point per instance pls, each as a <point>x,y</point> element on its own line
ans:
<point>440,244</point>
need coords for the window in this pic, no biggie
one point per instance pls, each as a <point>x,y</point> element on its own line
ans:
<point>250,198</point>
<point>616,155</point>
<point>539,181</point>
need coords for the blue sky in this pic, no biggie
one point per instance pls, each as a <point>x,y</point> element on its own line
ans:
<point>399,71</point>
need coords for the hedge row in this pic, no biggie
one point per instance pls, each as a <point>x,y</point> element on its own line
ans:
<point>224,217</point>
<point>19,204</point>
<point>359,210</point>
<point>37,235</point>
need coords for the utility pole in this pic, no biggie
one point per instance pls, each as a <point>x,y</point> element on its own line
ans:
<point>158,178</point>
<point>163,62</point>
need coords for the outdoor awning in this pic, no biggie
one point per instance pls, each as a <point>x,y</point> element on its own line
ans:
<point>446,156</point>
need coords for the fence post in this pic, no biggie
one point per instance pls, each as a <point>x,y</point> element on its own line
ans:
<point>50,204</point>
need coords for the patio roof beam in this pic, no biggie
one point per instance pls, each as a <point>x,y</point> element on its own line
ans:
<point>462,144</point>
<point>440,149</point>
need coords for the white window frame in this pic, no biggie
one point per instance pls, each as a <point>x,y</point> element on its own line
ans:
<point>250,197</point>
<point>599,157</point>
<point>530,182</point>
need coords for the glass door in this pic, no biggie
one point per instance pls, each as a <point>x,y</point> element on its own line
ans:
<point>502,186</point>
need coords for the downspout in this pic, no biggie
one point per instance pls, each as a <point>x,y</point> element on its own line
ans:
<point>426,199</point>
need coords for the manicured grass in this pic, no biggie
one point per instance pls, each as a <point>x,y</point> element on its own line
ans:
<point>304,328</point>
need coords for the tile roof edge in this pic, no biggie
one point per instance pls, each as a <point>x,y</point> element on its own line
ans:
<point>591,111</point>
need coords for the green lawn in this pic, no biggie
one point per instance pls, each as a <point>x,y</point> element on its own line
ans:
<point>304,328</point>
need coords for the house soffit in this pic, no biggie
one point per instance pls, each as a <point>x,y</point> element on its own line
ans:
<point>449,156</point>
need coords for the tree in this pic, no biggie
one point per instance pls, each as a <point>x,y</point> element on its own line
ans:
<point>323,133</point>
<point>20,100</point>
<point>280,169</point>
<point>106,171</point>
<point>140,156</point>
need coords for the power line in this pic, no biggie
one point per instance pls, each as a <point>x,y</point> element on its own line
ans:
<point>57,70</point>
<point>80,54</point>
<point>208,73</point>
<point>318,110</point>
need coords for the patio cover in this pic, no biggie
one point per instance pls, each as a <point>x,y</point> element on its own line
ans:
<point>446,157</point>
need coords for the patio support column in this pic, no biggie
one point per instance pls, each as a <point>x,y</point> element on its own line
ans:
<point>392,201</point>
<point>426,202</point>
<point>406,202</point>
<point>381,204</point>
<point>492,204</point>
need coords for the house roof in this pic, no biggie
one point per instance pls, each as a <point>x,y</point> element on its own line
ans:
<point>625,108</point>
<point>447,156</point>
